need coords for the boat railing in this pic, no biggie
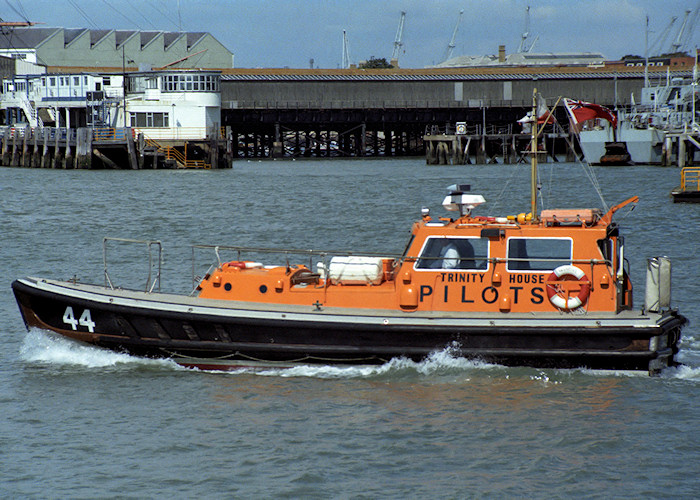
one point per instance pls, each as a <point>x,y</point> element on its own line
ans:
<point>226,253</point>
<point>152,281</point>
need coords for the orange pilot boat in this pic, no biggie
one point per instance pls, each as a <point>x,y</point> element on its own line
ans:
<point>546,290</point>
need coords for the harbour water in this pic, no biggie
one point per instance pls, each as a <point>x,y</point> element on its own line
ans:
<point>78,422</point>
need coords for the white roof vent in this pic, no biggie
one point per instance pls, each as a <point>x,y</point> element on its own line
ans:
<point>457,199</point>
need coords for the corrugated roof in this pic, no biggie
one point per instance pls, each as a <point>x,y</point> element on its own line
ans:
<point>194,37</point>
<point>69,35</point>
<point>437,76</point>
<point>97,35</point>
<point>123,35</point>
<point>26,38</point>
<point>170,37</point>
<point>148,36</point>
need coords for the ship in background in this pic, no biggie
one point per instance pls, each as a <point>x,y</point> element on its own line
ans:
<point>669,112</point>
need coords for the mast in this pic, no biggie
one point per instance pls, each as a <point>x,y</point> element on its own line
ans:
<point>533,158</point>
<point>646,54</point>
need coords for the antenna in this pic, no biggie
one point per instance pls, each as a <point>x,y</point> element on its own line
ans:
<point>451,45</point>
<point>399,35</point>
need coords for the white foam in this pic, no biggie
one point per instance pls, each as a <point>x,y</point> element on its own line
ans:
<point>438,363</point>
<point>682,372</point>
<point>40,346</point>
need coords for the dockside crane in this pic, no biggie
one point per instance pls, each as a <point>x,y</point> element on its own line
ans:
<point>399,36</point>
<point>526,31</point>
<point>16,24</point>
<point>684,31</point>
<point>451,45</point>
<point>657,45</point>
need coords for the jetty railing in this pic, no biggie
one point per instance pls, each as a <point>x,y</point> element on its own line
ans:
<point>180,133</point>
<point>690,179</point>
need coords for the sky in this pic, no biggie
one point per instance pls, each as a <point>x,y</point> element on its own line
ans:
<point>289,33</point>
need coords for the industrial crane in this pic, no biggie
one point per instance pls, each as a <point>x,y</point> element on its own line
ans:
<point>526,34</point>
<point>451,45</point>
<point>399,35</point>
<point>685,31</point>
<point>657,45</point>
<point>16,24</point>
<point>526,31</point>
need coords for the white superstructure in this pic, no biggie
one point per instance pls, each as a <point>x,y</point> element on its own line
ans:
<point>665,108</point>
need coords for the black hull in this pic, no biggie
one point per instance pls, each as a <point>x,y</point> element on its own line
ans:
<point>213,334</point>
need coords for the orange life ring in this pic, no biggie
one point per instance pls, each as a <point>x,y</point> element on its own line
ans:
<point>564,273</point>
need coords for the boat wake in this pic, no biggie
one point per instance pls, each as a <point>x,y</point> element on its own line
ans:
<point>44,347</point>
<point>441,364</point>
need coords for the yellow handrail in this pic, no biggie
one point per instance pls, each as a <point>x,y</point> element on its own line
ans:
<point>690,179</point>
<point>179,157</point>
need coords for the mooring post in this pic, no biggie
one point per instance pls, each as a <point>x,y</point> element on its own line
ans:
<point>68,157</point>
<point>24,159</point>
<point>681,151</point>
<point>5,149</point>
<point>668,144</point>
<point>56,160</point>
<point>131,149</point>
<point>140,148</point>
<point>14,162</point>
<point>83,149</point>
<point>35,147</point>
<point>45,158</point>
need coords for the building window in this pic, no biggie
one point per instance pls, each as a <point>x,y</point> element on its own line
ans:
<point>106,80</point>
<point>149,119</point>
<point>190,83</point>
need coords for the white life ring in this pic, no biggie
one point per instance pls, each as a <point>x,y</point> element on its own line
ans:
<point>554,292</point>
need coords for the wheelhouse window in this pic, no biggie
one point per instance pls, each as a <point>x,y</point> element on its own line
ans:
<point>454,253</point>
<point>538,254</point>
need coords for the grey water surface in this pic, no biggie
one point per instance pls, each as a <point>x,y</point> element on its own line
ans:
<point>79,422</point>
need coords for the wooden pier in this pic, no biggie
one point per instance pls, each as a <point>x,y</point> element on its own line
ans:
<point>110,148</point>
<point>682,145</point>
<point>478,144</point>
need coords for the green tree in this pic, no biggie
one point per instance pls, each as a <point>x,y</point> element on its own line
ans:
<point>376,63</point>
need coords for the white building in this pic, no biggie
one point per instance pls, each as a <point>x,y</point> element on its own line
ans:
<point>176,104</point>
